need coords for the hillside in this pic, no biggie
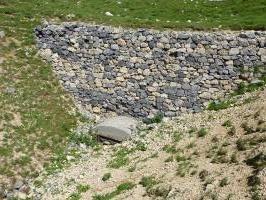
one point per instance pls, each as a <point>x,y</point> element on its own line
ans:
<point>209,155</point>
<point>43,154</point>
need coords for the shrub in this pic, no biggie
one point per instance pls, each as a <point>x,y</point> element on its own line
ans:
<point>203,174</point>
<point>202,132</point>
<point>106,176</point>
<point>231,131</point>
<point>82,138</point>
<point>156,119</point>
<point>148,182</point>
<point>119,189</point>
<point>227,123</point>
<point>220,105</point>
<point>224,182</point>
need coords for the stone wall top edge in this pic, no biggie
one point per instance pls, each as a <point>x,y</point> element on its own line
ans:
<point>121,29</point>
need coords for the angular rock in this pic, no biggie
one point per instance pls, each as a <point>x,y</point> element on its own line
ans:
<point>117,128</point>
<point>18,184</point>
<point>234,51</point>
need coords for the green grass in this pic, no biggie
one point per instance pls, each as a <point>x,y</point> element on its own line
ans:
<point>234,14</point>
<point>177,137</point>
<point>119,190</point>
<point>84,138</point>
<point>80,189</point>
<point>227,123</point>
<point>45,111</point>
<point>120,158</point>
<point>158,118</point>
<point>242,89</point>
<point>220,105</point>
<point>170,149</point>
<point>202,132</point>
<point>148,182</point>
<point>184,168</point>
<point>150,185</point>
<point>258,163</point>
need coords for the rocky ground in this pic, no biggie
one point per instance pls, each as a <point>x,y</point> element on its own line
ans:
<point>208,155</point>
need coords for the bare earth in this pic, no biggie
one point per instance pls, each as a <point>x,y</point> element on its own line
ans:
<point>184,165</point>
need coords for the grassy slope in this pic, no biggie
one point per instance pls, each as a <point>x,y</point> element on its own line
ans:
<point>233,14</point>
<point>39,105</point>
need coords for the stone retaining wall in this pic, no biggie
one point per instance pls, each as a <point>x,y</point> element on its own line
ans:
<point>140,72</point>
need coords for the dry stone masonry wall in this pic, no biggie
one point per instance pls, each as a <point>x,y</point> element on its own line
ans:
<point>142,72</point>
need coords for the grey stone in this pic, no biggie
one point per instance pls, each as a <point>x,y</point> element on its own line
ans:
<point>247,35</point>
<point>142,38</point>
<point>10,90</point>
<point>18,184</point>
<point>164,40</point>
<point>2,34</point>
<point>114,47</point>
<point>256,81</point>
<point>117,128</point>
<point>234,51</point>
<point>183,36</point>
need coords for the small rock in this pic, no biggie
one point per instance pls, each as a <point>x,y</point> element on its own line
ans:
<point>10,90</point>
<point>120,78</point>
<point>142,38</point>
<point>18,184</point>
<point>205,95</point>
<point>146,72</point>
<point>114,47</point>
<point>123,70</point>
<point>96,110</point>
<point>46,54</point>
<point>2,34</point>
<point>10,195</point>
<point>25,189</point>
<point>69,158</point>
<point>234,51</point>
<point>164,40</point>
<point>183,36</point>
<point>256,81</point>
<point>262,53</point>
<point>109,14</point>
<point>250,34</point>
<point>2,192</point>
<point>121,42</point>
<point>1,60</point>
<point>71,49</point>
<point>21,195</point>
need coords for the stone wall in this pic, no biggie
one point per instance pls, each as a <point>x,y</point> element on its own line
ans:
<point>140,72</point>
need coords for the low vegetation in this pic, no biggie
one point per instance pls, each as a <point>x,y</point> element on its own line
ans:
<point>80,189</point>
<point>202,132</point>
<point>242,89</point>
<point>155,119</point>
<point>119,189</point>
<point>120,158</point>
<point>106,176</point>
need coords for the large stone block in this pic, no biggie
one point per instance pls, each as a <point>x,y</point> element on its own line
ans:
<point>117,128</point>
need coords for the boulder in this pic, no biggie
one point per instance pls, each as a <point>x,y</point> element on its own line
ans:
<point>117,128</point>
